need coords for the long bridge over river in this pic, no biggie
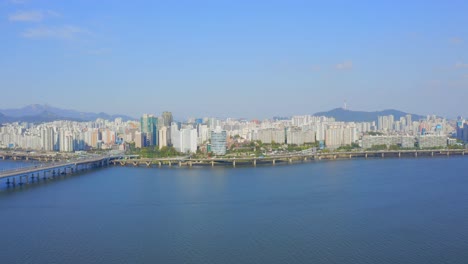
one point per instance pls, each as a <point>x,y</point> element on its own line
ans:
<point>64,166</point>
<point>284,159</point>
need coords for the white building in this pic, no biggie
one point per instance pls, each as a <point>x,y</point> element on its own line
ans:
<point>184,140</point>
<point>163,139</point>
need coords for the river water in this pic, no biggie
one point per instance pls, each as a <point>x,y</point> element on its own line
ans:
<point>344,211</point>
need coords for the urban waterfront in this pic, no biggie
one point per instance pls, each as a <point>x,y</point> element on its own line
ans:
<point>348,211</point>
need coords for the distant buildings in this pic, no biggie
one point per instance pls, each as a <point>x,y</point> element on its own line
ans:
<point>213,134</point>
<point>385,123</point>
<point>218,141</point>
<point>337,135</point>
<point>185,139</point>
<point>462,130</point>
<point>165,120</point>
<point>149,126</point>
<point>163,137</point>
<point>388,141</point>
<point>270,135</point>
<point>140,139</point>
<point>297,136</point>
<point>48,139</point>
<point>431,141</point>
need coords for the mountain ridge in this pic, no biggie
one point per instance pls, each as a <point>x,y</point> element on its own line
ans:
<point>37,113</point>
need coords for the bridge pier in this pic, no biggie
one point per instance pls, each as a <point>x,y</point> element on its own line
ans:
<point>14,181</point>
<point>399,154</point>
<point>255,162</point>
<point>350,156</point>
<point>432,154</point>
<point>234,164</point>
<point>366,155</point>
<point>180,163</point>
<point>383,155</point>
<point>448,153</point>
<point>148,164</point>
<point>190,164</point>
<point>8,181</point>
<point>159,164</point>
<point>416,154</point>
<point>274,161</point>
<point>212,163</point>
<point>290,160</point>
<point>170,164</point>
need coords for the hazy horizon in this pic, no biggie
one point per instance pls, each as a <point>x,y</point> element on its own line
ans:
<point>240,59</point>
<point>222,116</point>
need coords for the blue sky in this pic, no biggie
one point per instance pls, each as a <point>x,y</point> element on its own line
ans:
<point>251,59</point>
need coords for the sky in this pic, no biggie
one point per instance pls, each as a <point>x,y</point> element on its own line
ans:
<point>251,59</point>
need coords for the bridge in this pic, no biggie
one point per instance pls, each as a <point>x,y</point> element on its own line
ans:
<point>284,159</point>
<point>36,156</point>
<point>47,171</point>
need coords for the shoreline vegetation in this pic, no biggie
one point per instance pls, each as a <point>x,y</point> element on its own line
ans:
<point>286,159</point>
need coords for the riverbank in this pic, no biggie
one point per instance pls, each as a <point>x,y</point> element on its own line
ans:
<point>284,159</point>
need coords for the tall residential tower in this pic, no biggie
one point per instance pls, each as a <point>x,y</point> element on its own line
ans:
<point>149,126</point>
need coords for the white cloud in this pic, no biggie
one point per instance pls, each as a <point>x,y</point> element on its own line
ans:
<point>67,32</point>
<point>31,16</point>
<point>461,65</point>
<point>346,65</point>
<point>456,40</point>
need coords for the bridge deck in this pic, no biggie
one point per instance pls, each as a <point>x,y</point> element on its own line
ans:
<point>48,167</point>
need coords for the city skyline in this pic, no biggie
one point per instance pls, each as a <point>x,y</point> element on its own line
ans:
<point>242,58</point>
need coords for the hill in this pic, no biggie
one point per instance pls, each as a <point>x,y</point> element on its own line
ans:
<point>37,113</point>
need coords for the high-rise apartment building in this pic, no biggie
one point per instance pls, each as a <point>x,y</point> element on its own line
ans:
<point>163,132</point>
<point>218,141</point>
<point>149,126</point>
<point>185,139</point>
<point>47,136</point>
<point>166,119</point>
<point>385,123</point>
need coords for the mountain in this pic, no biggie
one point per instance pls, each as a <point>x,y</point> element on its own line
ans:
<point>345,115</point>
<point>4,118</point>
<point>37,113</point>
